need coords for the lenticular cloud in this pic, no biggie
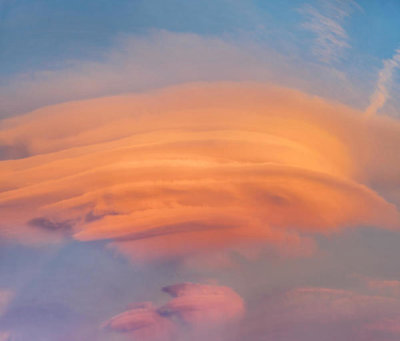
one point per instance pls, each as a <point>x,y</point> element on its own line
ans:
<point>195,168</point>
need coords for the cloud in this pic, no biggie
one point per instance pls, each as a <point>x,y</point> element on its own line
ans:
<point>389,326</point>
<point>6,296</point>
<point>202,305</point>
<point>303,314</point>
<point>385,286</point>
<point>315,313</point>
<point>379,286</point>
<point>5,336</point>
<point>142,322</point>
<point>194,309</point>
<point>197,168</point>
<point>326,24</point>
<point>161,58</point>
<point>381,93</point>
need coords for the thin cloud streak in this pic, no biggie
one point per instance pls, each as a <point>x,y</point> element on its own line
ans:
<point>382,93</point>
<point>327,25</point>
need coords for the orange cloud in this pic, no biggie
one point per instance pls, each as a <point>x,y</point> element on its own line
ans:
<point>196,167</point>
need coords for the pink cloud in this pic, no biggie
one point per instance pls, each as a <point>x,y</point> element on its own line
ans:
<point>194,310</point>
<point>6,296</point>
<point>202,305</point>
<point>384,287</point>
<point>142,322</point>
<point>388,326</point>
<point>5,336</point>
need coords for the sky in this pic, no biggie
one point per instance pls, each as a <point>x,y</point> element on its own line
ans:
<point>199,170</point>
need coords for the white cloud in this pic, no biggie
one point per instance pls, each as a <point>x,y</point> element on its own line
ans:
<point>327,25</point>
<point>381,93</point>
<point>139,63</point>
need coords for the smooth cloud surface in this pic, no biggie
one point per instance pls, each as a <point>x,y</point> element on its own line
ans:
<point>194,168</point>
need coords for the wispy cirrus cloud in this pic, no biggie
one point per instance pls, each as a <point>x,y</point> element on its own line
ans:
<point>382,93</point>
<point>326,23</point>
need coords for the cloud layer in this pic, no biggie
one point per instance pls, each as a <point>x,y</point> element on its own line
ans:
<point>196,168</point>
